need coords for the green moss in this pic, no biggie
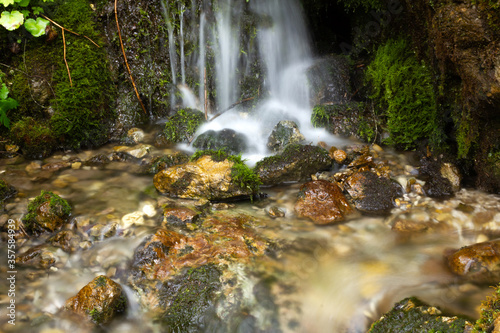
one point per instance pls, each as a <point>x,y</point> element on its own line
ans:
<point>101,281</point>
<point>241,174</point>
<point>404,93</point>
<point>57,206</point>
<point>164,162</point>
<point>490,310</point>
<point>96,316</point>
<point>35,138</point>
<point>181,126</point>
<point>365,5</point>
<point>84,109</point>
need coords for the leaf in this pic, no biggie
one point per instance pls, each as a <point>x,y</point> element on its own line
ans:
<point>11,20</point>
<point>22,3</point>
<point>6,105</point>
<point>4,92</point>
<point>37,10</point>
<point>36,28</point>
<point>6,3</point>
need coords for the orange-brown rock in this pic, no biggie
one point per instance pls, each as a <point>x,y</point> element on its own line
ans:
<point>100,301</point>
<point>479,262</point>
<point>323,202</point>
<point>179,216</point>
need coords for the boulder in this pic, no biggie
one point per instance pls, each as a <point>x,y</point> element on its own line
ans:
<point>48,212</point>
<point>227,139</point>
<point>284,133</point>
<point>296,163</point>
<point>477,262</point>
<point>373,194</point>
<point>208,177</point>
<point>99,302</point>
<point>322,202</point>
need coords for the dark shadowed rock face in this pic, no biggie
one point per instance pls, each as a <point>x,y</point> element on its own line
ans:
<point>322,202</point>
<point>99,302</point>
<point>478,262</point>
<point>227,139</point>
<point>295,163</point>
<point>373,194</point>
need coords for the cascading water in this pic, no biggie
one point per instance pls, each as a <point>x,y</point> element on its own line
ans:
<point>171,48</point>
<point>285,56</point>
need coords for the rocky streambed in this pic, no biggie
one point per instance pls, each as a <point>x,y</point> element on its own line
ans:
<point>136,237</point>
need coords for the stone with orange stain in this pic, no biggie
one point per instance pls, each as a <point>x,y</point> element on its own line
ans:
<point>478,262</point>
<point>179,216</point>
<point>323,202</point>
<point>99,302</point>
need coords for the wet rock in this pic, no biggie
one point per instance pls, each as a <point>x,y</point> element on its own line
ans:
<point>412,315</point>
<point>221,238</point>
<point>338,155</point>
<point>227,139</point>
<point>67,240</point>
<point>47,212</point>
<point>57,166</point>
<point>208,178</point>
<point>284,133</point>
<point>373,194</point>
<point>478,262</point>
<point>489,320</point>
<point>7,191</point>
<point>276,212</point>
<point>100,301</point>
<point>190,297</point>
<point>179,216</point>
<point>407,227</point>
<point>322,202</point>
<point>296,163</point>
<point>103,230</point>
<point>134,136</point>
<point>99,160</point>
<point>436,185</point>
<point>138,151</point>
<point>160,163</point>
<point>451,172</point>
<point>41,256</point>
<point>182,125</point>
<point>329,79</point>
<point>161,141</point>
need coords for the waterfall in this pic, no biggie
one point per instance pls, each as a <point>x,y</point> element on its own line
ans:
<point>181,42</point>
<point>201,63</point>
<point>171,49</point>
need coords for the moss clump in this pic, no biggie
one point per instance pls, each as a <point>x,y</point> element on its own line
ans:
<point>191,297</point>
<point>36,219</point>
<point>164,162</point>
<point>6,191</point>
<point>181,126</point>
<point>412,315</point>
<point>83,110</point>
<point>241,174</point>
<point>490,310</point>
<point>35,138</point>
<point>404,93</point>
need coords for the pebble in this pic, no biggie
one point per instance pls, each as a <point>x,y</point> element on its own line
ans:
<point>132,218</point>
<point>149,210</point>
<point>76,165</point>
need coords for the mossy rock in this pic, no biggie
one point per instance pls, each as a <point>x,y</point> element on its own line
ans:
<point>35,138</point>
<point>182,125</point>
<point>46,213</point>
<point>191,297</point>
<point>404,93</point>
<point>227,139</point>
<point>7,191</point>
<point>412,315</point>
<point>296,163</point>
<point>163,162</point>
<point>490,314</point>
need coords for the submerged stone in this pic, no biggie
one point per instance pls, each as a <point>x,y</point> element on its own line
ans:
<point>479,262</point>
<point>412,315</point>
<point>99,302</point>
<point>296,163</point>
<point>322,202</point>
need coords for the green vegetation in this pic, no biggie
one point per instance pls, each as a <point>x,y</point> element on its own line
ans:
<point>6,104</point>
<point>490,310</point>
<point>191,298</point>
<point>82,110</point>
<point>365,5</point>
<point>101,281</point>
<point>19,11</point>
<point>35,138</point>
<point>57,207</point>
<point>403,92</point>
<point>96,316</point>
<point>181,126</point>
<point>241,174</point>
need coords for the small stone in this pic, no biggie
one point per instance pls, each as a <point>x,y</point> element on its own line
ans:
<point>30,168</point>
<point>149,210</point>
<point>11,148</point>
<point>276,212</point>
<point>179,216</point>
<point>136,135</point>
<point>132,218</point>
<point>76,165</point>
<point>339,156</point>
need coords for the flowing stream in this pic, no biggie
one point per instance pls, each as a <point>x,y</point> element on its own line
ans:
<point>336,278</point>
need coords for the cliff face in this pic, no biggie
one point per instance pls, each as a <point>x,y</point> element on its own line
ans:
<point>462,39</point>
